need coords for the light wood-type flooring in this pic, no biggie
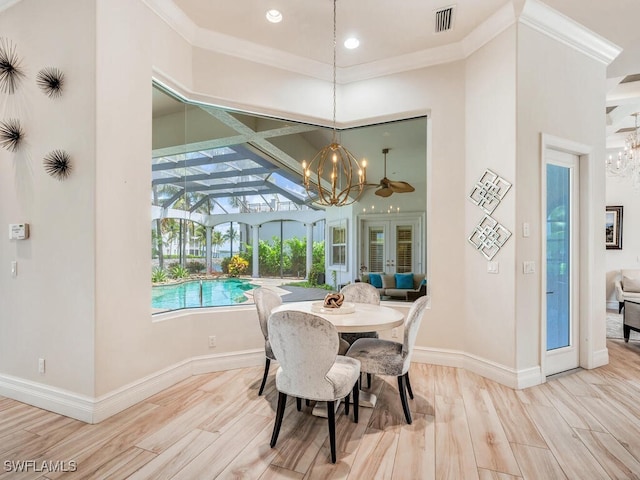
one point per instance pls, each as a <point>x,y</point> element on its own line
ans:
<point>580,425</point>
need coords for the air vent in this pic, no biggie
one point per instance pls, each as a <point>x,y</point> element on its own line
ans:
<point>444,19</point>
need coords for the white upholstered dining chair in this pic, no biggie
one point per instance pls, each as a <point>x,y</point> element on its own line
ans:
<point>266,300</point>
<point>306,347</point>
<point>385,357</point>
<point>360,292</point>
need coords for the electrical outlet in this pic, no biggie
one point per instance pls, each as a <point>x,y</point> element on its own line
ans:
<point>41,368</point>
<point>394,333</point>
<point>212,341</point>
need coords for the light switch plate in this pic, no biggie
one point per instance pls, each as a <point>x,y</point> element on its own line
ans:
<point>529,267</point>
<point>493,267</point>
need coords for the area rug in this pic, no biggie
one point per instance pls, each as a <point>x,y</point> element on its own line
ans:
<point>614,327</point>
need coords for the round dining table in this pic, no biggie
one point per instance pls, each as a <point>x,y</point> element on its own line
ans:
<point>351,318</point>
<point>356,317</point>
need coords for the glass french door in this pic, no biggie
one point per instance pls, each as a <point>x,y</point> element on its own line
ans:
<point>389,246</point>
<point>561,262</point>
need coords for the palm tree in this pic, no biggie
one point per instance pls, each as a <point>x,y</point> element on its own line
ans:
<point>231,235</point>
<point>217,239</point>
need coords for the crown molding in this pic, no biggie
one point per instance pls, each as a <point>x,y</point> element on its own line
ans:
<point>250,51</point>
<point>552,23</point>
<point>493,26</point>
<point>534,14</point>
<point>174,17</point>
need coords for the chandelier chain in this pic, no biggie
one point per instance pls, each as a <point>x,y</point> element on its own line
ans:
<point>334,70</point>
<point>334,177</point>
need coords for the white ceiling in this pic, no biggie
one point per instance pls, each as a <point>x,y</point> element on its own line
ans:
<point>390,31</point>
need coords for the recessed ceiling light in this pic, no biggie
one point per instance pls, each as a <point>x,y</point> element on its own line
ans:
<point>351,43</point>
<point>274,16</point>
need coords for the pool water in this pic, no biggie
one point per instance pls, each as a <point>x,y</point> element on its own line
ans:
<point>215,293</point>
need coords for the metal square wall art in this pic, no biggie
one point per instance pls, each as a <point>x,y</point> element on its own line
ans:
<point>489,236</point>
<point>489,191</point>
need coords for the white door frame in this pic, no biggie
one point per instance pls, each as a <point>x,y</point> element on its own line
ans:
<point>586,247</point>
<point>567,358</point>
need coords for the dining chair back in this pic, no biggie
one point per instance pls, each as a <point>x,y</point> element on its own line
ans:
<point>266,300</point>
<point>385,357</point>
<point>306,347</point>
<point>361,292</point>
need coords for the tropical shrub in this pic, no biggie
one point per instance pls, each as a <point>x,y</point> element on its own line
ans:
<point>158,275</point>
<point>195,267</point>
<point>237,266</point>
<point>179,272</point>
<point>224,264</point>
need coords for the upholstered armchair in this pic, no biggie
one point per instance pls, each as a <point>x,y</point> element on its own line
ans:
<point>306,347</point>
<point>628,287</point>
<point>384,357</point>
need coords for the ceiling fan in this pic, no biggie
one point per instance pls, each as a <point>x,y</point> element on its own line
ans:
<point>388,187</point>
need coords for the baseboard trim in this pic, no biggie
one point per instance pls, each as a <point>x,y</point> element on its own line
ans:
<point>600,358</point>
<point>95,410</point>
<point>47,397</point>
<point>227,361</point>
<point>516,379</point>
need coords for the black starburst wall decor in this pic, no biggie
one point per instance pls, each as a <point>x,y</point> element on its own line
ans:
<point>11,134</point>
<point>58,164</point>
<point>10,69</point>
<point>50,80</point>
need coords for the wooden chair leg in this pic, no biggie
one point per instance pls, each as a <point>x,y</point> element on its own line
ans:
<point>346,405</point>
<point>406,379</point>
<point>356,401</point>
<point>368,380</point>
<point>620,306</point>
<point>282,402</point>
<point>267,364</point>
<point>331,417</point>
<point>403,398</point>
<point>307,402</point>
<point>299,403</point>
<point>626,333</point>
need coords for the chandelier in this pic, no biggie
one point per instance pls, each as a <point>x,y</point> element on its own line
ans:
<point>346,176</point>
<point>627,162</point>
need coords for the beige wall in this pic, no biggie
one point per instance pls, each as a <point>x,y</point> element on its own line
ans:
<point>92,232</point>
<point>47,311</point>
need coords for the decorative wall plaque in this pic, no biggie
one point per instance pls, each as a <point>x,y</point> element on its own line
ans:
<point>489,236</point>
<point>489,191</point>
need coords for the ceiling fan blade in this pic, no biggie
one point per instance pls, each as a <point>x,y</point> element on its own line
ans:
<point>400,187</point>
<point>384,192</point>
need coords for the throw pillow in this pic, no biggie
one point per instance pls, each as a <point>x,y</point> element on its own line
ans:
<point>388,281</point>
<point>631,284</point>
<point>404,280</point>
<point>376,280</point>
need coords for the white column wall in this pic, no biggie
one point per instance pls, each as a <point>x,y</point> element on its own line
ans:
<point>560,92</point>
<point>491,134</point>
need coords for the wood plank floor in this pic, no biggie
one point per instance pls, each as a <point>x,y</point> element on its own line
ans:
<point>580,425</point>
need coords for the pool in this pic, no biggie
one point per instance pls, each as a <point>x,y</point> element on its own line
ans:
<point>215,293</point>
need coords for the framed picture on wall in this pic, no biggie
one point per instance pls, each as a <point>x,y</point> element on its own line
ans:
<point>613,228</point>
